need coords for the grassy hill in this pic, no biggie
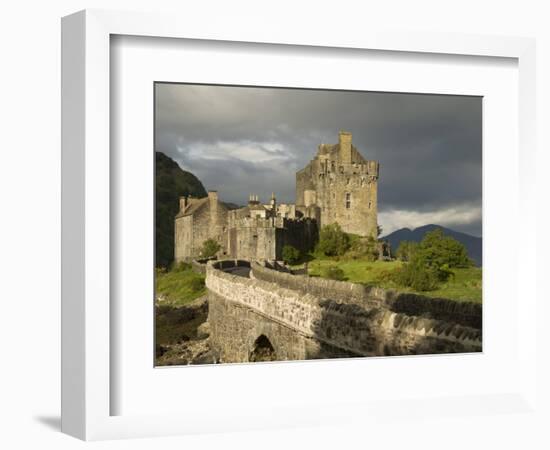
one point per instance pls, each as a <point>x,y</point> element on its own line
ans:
<point>171,182</point>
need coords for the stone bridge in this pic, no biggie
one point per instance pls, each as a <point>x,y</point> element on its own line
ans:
<point>258,313</point>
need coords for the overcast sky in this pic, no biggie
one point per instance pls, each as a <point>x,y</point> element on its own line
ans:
<point>240,140</point>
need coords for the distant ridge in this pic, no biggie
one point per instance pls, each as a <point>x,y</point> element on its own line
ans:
<point>473,244</point>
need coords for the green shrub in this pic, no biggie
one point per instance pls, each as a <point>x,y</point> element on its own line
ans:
<point>417,275</point>
<point>332,240</point>
<point>364,248</point>
<point>291,255</point>
<point>209,248</point>
<point>333,273</point>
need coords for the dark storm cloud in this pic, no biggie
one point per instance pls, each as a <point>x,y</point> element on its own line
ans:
<point>252,140</point>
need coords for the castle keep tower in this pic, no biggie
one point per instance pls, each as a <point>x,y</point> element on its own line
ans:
<point>339,185</point>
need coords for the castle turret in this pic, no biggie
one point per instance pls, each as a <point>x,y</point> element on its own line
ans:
<point>341,186</point>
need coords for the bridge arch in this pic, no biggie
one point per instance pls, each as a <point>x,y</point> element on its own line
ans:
<point>262,350</point>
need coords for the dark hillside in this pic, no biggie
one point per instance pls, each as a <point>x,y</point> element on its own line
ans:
<point>473,244</point>
<point>171,182</point>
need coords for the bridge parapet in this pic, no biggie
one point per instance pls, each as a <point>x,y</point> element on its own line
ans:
<point>464,313</point>
<point>304,319</point>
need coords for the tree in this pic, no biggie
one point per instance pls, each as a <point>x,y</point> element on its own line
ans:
<point>209,248</point>
<point>406,250</point>
<point>291,255</point>
<point>431,261</point>
<point>439,250</point>
<point>332,240</point>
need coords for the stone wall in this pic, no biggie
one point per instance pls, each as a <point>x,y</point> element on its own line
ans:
<point>254,238</point>
<point>199,265</point>
<point>303,325</point>
<point>183,238</point>
<point>209,221</point>
<point>464,313</point>
<point>235,328</point>
<point>258,238</point>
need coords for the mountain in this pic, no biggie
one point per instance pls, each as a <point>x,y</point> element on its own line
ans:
<point>171,182</point>
<point>473,244</point>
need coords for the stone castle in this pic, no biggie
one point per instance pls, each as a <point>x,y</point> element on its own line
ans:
<point>337,186</point>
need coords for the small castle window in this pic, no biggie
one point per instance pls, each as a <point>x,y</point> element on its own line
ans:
<point>348,200</point>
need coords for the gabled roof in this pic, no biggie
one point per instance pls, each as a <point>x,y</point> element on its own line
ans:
<point>256,207</point>
<point>197,204</point>
<point>192,208</point>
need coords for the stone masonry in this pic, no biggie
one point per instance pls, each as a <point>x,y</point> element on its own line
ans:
<point>339,185</point>
<point>197,221</point>
<point>296,324</point>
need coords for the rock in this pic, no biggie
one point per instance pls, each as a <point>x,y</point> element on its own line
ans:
<point>203,330</point>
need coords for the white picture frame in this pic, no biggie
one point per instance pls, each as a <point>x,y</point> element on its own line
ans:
<point>87,385</point>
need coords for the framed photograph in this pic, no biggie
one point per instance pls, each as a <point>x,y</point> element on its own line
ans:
<point>259,215</point>
<point>322,263</point>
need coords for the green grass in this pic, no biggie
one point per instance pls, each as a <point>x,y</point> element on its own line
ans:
<point>177,314</point>
<point>465,285</point>
<point>179,287</point>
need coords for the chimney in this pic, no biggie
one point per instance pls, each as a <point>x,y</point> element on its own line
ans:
<point>213,202</point>
<point>183,203</point>
<point>344,141</point>
<point>213,198</point>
